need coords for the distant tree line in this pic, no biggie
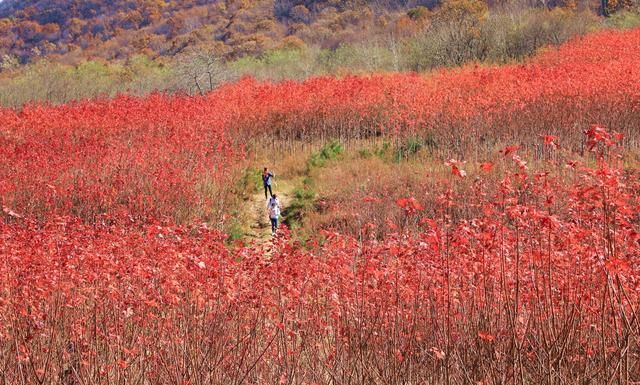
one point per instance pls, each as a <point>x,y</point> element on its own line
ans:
<point>453,33</point>
<point>71,31</point>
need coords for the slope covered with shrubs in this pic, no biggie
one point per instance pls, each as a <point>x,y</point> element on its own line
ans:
<point>514,262</point>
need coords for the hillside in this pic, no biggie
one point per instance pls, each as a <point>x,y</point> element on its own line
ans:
<point>477,225</point>
<point>117,29</point>
<point>74,30</point>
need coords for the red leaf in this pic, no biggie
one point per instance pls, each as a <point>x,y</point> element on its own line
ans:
<point>486,166</point>
<point>549,139</point>
<point>509,150</point>
<point>486,336</point>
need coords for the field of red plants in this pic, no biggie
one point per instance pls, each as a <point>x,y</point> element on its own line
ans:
<point>114,270</point>
<point>162,155</point>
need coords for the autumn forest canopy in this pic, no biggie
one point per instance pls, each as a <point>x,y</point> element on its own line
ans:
<point>121,28</point>
<point>118,29</point>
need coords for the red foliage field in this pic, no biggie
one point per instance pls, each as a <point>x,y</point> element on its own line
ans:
<point>147,158</point>
<point>536,282</point>
<point>160,155</point>
<point>540,286</point>
<point>465,111</point>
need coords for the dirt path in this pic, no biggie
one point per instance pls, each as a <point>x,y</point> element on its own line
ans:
<point>257,227</point>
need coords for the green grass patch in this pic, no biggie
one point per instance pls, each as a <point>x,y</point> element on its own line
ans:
<point>412,146</point>
<point>235,229</point>
<point>330,151</point>
<point>304,197</point>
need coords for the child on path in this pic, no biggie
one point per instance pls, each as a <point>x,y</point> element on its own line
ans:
<point>267,177</point>
<point>273,199</point>
<point>274,213</point>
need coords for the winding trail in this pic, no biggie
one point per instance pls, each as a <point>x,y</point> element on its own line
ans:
<point>257,227</point>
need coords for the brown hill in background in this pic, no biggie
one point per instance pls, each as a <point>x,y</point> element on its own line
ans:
<point>73,29</point>
<point>62,50</point>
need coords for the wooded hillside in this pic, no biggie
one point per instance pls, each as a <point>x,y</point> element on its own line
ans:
<point>117,29</point>
<point>71,30</point>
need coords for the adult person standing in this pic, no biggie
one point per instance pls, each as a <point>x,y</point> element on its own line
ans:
<point>267,178</point>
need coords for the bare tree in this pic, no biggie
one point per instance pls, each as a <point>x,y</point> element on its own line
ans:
<point>395,52</point>
<point>9,62</point>
<point>201,71</point>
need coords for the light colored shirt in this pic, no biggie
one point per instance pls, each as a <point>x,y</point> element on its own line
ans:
<point>273,200</point>
<point>274,211</point>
